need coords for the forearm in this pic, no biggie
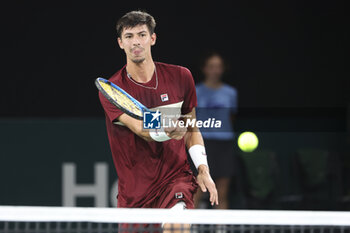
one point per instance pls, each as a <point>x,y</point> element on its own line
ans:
<point>195,145</point>
<point>193,137</point>
<point>136,126</point>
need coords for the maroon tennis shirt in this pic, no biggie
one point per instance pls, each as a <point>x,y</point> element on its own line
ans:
<point>152,174</point>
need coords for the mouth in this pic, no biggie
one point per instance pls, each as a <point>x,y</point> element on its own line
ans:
<point>136,51</point>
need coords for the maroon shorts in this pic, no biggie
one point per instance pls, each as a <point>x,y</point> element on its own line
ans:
<point>181,188</point>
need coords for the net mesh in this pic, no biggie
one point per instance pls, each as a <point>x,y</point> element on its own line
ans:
<point>107,220</point>
<point>87,227</point>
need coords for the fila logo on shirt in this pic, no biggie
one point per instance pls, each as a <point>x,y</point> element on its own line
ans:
<point>164,97</point>
<point>179,195</point>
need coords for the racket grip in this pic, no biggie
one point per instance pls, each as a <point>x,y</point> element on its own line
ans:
<point>159,135</point>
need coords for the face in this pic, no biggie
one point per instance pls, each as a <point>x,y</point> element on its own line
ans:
<point>137,43</point>
<point>213,68</point>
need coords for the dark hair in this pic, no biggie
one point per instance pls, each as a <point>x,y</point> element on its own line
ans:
<point>210,54</point>
<point>135,18</point>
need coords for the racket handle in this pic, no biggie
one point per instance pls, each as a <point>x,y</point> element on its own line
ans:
<point>159,135</point>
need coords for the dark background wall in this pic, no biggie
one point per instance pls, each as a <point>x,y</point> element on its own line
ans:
<point>281,53</point>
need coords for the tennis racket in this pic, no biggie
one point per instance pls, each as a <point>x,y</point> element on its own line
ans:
<point>121,99</point>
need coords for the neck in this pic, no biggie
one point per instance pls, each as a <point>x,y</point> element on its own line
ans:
<point>141,72</point>
<point>213,83</point>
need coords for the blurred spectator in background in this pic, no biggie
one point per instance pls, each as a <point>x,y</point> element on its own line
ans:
<point>217,100</point>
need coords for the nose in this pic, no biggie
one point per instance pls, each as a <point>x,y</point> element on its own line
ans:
<point>136,41</point>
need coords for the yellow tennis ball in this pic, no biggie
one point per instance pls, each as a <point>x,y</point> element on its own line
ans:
<point>248,141</point>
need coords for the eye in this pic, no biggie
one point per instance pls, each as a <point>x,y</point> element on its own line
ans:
<point>143,35</point>
<point>128,37</point>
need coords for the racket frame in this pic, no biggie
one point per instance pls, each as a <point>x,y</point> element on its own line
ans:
<point>111,100</point>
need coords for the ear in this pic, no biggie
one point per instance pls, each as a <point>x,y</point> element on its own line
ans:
<point>153,39</point>
<point>120,42</point>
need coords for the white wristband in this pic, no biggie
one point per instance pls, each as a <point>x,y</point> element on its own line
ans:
<point>159,135</point>
<point>198,155</point>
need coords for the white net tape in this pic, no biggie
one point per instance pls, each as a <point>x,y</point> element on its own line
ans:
<point>125,215</point>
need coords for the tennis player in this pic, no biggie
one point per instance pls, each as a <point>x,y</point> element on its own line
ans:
<point>152,167</point>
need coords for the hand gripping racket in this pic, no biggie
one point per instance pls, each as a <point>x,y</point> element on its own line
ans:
<point>121,99</point>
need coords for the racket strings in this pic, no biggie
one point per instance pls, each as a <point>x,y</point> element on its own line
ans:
<point>121,99</point>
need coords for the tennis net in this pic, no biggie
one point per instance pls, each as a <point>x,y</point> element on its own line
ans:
<point>19,219</point>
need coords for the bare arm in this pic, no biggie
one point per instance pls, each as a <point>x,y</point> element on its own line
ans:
<point>136,126</point>
<point>193,135</point>
<point>204,180</point>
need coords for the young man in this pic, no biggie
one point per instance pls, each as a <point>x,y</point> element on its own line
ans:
<point>152,167</point>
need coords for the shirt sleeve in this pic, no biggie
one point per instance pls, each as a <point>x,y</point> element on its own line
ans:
<point>111,111</point>
<point>190,97</point>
